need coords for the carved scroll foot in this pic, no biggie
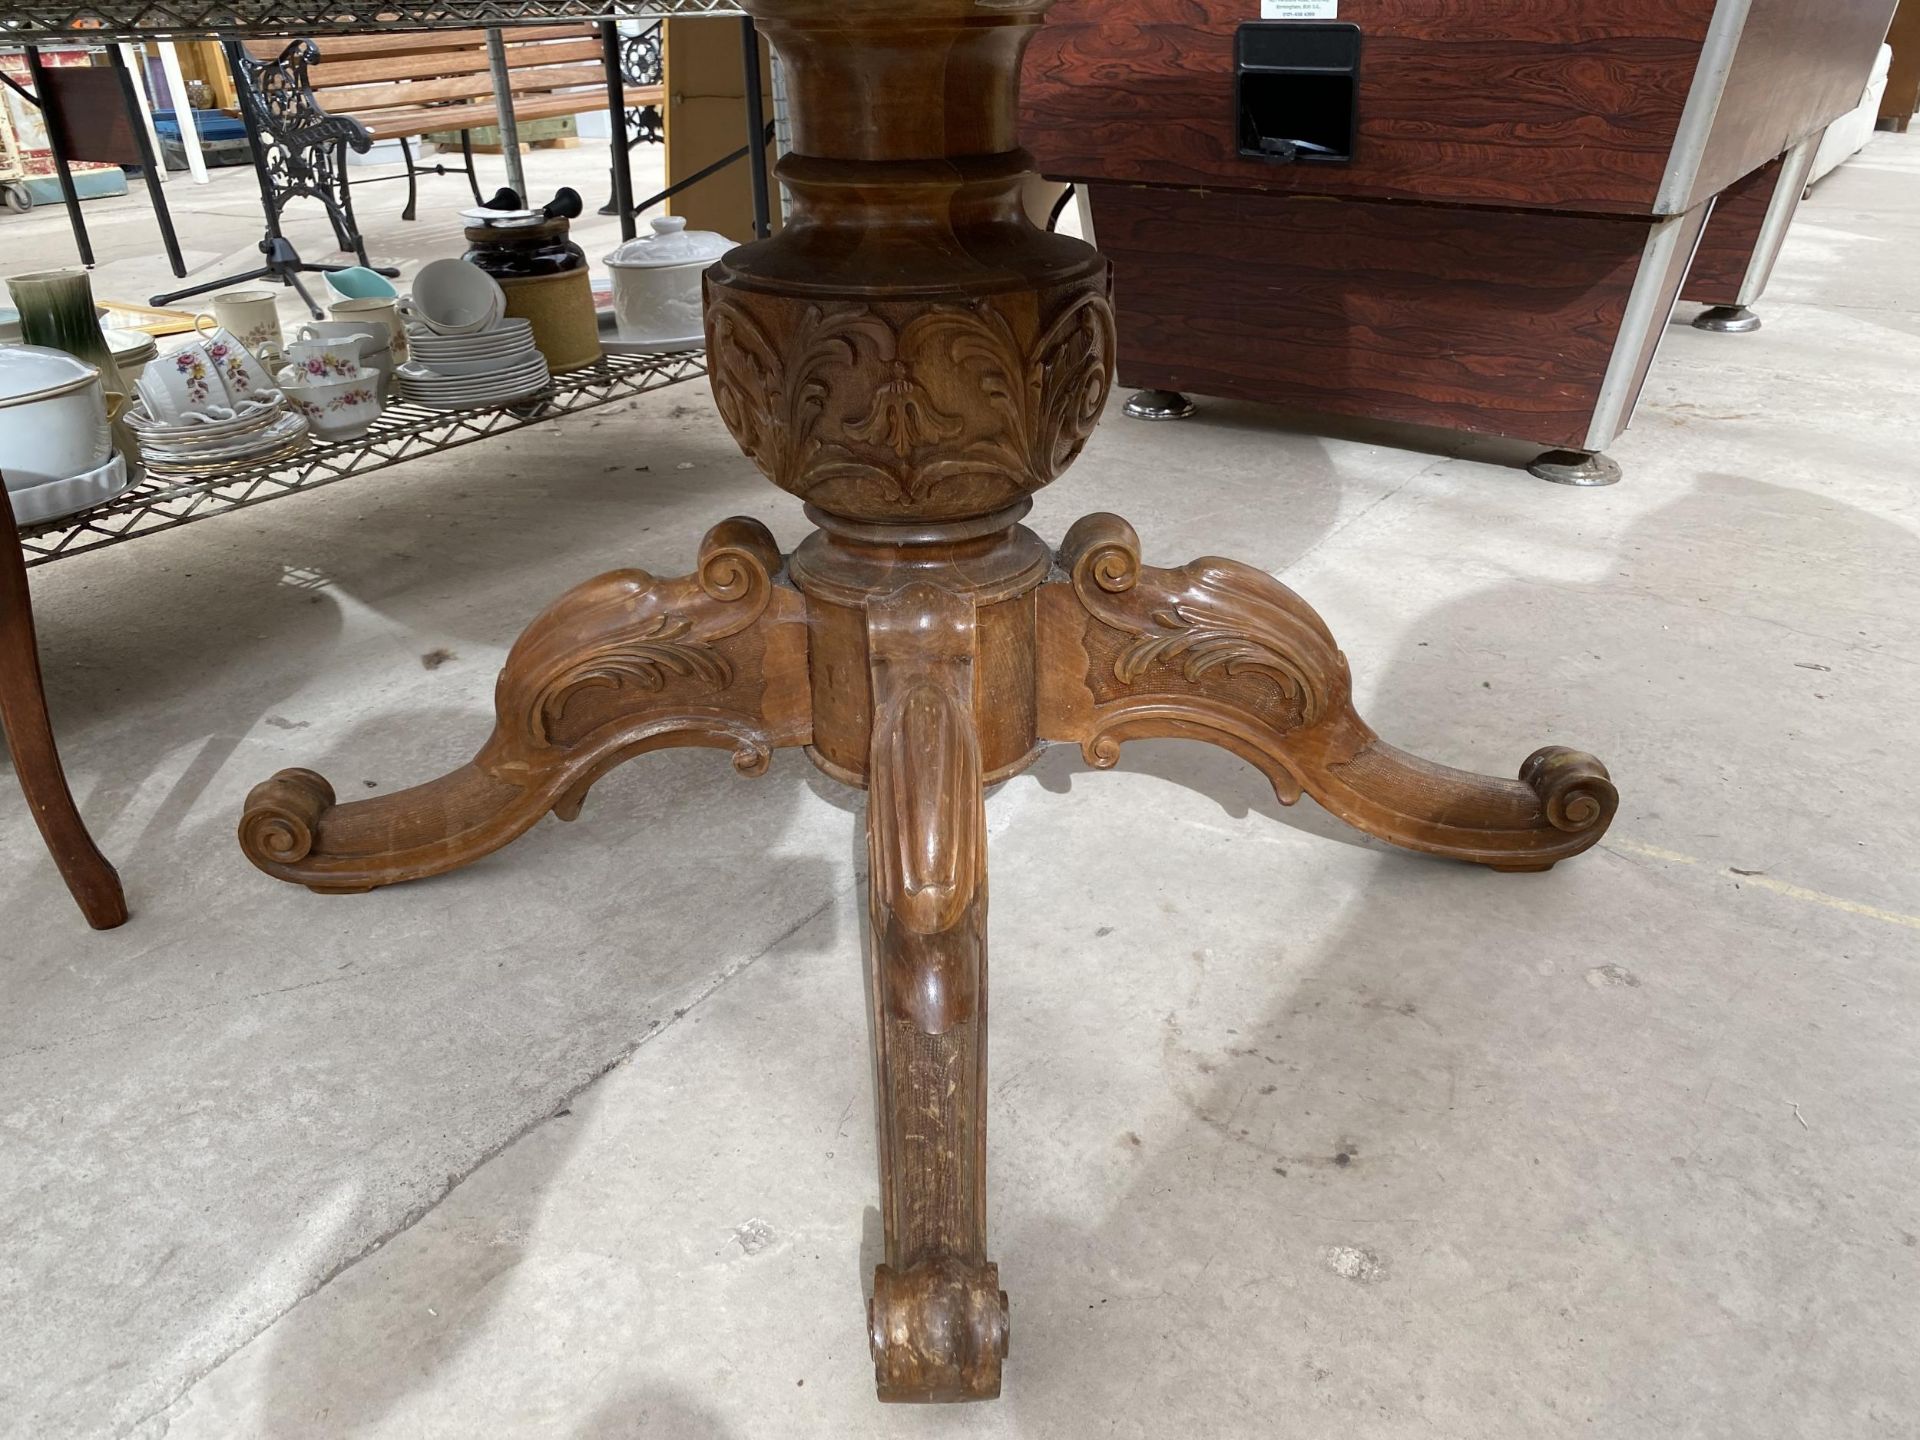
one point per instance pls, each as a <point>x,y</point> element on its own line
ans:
<point>1221,652</point>
<point>619,666</point>
<point>939,1319</point>
<point>939,1331</point>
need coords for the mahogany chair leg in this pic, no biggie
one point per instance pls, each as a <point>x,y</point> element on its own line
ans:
<point>617,667</point>
<point>36,760</point>
<point>938,1319</point>
<point>1221,652</point>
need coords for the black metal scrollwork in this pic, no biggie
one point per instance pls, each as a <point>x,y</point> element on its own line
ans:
<point>304,148</point>
<point>641,64</point>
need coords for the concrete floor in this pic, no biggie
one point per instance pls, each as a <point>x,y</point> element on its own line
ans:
<point>1291,1133</point>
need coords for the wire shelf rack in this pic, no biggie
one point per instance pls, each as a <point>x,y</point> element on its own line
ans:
<point>403,432</point>
<point>38,21</point>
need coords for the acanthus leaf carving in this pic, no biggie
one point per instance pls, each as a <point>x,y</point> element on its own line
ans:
<point>943,400</point>
<point>1211,617</point>
<point>630,629</point>
<point>904,417</point>
<point>1168,653</point>
<point>647,657</point>
<point>772,391</point>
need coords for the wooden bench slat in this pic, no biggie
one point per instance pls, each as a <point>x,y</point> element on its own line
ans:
<point>411,84</point>
<point>538,80</point>
<point>423,119</point>
<point>330,74</point>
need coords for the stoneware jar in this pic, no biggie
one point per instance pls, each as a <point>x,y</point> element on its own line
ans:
<point>656,284</point>
<point>544,275</point>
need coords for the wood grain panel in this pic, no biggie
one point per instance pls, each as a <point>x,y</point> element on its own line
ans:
<point>1498,323</point>
<point>1726,250</point>
<point>1496,102</point>
<point>1800,66</point>
<point>1902,99</point>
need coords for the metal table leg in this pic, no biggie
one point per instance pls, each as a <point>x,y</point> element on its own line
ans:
<point>509,127</point>
<point>57,143</point>
<point>149,161</point>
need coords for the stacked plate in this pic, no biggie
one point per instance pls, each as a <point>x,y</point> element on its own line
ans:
<point>256,432</point>
<point>469,372</point>
<point>132,349</point>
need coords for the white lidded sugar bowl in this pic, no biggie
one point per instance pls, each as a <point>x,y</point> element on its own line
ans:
<point>656,284</point>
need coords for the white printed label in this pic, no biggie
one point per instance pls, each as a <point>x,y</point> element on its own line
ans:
<point>1299,9</point>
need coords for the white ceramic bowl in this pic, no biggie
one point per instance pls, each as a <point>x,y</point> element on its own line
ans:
<point>53,416</point>
<point>338,409</point>
<point>455,297</point>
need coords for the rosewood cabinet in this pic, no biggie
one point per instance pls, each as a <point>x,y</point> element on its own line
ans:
<point>1501,252</point>
<point>1902,100</point>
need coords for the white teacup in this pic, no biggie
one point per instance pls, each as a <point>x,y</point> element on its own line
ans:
<point>337,409</point>
<point>335,358</point>
<point>455,297</point>
<point>240,370</point>
<point>182,381</point>
<point>252,317</point>
<point>376,310</point>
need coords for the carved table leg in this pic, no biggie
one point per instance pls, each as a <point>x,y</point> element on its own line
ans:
<point>938,1316</point>
<point>1221,652</point>
<point>619,666</point>
<point>36,761</point>
<point>29,734</point>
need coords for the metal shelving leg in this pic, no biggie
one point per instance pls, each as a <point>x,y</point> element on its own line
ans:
<point>617,124</point>
<point>756,129</point>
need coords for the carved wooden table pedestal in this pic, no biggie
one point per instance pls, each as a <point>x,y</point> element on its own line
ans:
<point>915,359</point>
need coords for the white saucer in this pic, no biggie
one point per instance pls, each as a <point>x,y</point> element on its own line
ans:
<point>653,345</point>
<point>463,365</point>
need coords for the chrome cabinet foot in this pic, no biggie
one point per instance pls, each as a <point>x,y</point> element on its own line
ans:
<point>1575,467</point>
<point>1159,405</point>
<point>1727,320</point>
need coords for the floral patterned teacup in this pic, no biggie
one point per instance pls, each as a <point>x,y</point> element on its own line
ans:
<point>333,357</point>
<point>337,409</point>
<point>240,370</point>
<point>180,382</point>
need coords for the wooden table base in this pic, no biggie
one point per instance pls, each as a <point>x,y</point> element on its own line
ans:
<point>915,359</point>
